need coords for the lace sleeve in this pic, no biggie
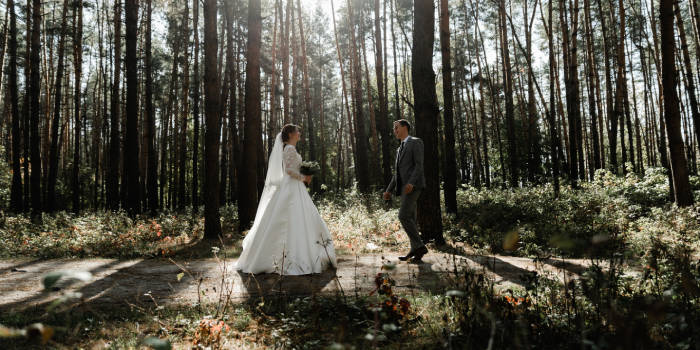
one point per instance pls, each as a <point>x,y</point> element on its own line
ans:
<point>292,162</point>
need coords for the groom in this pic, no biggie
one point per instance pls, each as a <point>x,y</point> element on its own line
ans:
<point>408,182</point>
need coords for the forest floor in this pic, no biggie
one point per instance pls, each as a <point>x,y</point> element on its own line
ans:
<point>189,281</point>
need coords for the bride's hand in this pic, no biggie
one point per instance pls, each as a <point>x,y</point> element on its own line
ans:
<point>307,179</point>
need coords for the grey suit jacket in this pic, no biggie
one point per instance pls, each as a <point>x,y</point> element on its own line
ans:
<point>410,166</point>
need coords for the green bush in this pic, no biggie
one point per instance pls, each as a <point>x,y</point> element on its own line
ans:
<point>591,221</point>
<point>571,224</point>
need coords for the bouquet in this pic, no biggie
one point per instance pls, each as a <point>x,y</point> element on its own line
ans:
<point>309,168</point>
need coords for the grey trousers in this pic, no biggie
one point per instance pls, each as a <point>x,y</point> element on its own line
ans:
<point>407,216</point>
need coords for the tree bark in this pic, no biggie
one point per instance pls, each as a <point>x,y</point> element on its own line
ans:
<point>573,110</point>
<point>16,195</point>
<point>508,92</point>
<point>383,117</point>
<point>679,167</point>
<point>554,142</point>
<point>450,159</point>
<point>592,78</point>
<point>362,163</point>
<point>195,109</point>
<point>34,90</point>
<point>212,224</point>
<point>114,149</point>
<point>131,140</point>
<point>151,159</point>
<point>695,111</point>
<point>56,120</point>
<point>78,63</point>
<point>426,111</point>
<point>253,133</point>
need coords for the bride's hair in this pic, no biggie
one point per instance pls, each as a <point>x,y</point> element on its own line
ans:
<point>287,130</point>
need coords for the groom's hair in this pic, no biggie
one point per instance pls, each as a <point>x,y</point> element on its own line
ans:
<point>288,130</point>
<point>404,122</point>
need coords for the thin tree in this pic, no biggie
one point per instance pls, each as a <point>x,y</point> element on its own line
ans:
<point>427,116</point>
<point>56,120</point>
<point>592,79</point>
<point>231,70</point>
<point>679,167</point>
<point>307,90</point>
<point>34,91</point>
<point>508,91</point>
<point>131,145</point>
<point>182,154</point>
<point>554,142</point>
<point>195,109</point>
<point>114,142</point>
<point>151,158</point>
<point>383,117</point>
<point>16,200</point>
<point>212,224</point>
<point>253,133</point>
<point>450,159</point>
<point>78,64</point>
<point>573,110</point>
<point>361,163</point>
<point>692,97</point>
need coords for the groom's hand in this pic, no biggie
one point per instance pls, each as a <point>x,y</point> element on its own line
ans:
<point>387,196</point>
<point>408,189</point>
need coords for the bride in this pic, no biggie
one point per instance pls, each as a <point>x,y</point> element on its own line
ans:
<point>288,236</point>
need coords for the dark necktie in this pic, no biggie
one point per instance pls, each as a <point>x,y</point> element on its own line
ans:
<point>398,157</point>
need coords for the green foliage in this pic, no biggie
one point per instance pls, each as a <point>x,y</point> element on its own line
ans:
<point>362,224</point>
<point>5,181</point>
<point>605,214</point>
<point>567,224</point>
<point>105,234</point>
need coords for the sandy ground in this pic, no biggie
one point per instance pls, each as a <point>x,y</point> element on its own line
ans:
<point>148,281</point>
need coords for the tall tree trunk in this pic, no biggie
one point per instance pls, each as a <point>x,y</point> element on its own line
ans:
<point>573,110</point>
<point>78,62</point>
<point>695,111</point>
<point>620,90</point>
<point>272,125</point>
<point>195,109</point>
<point>34,90</point>
<point>396,80</point>
<point>362,163</point>
<point>383,117</point>
<point>253,133</point>
<point>235,163</point>
<point>114,149</point>
<point>612,115</point>
<point>212,224</point>
<point>3,54</point>
<point>182,194</point>
<point>307,89</point>
<point>679,167</point>
<point>592,78</point>
<point>450,159</point>
<point>514,165</point>
<point>285,61</point>
<point>534,162</point>
<point>16,196</point>
<point>131,140</point>
<point>427,117</point>
<point>554,142</point>
<point>151,159</point>
<point>56,120</point>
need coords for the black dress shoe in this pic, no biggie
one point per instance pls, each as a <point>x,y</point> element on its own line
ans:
<point>418,254</point>
<point>407,256</point>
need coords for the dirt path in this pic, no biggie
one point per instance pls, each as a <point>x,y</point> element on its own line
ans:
<point>119,282</point>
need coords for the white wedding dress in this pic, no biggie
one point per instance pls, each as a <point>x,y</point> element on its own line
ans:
<point>288,236</point>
